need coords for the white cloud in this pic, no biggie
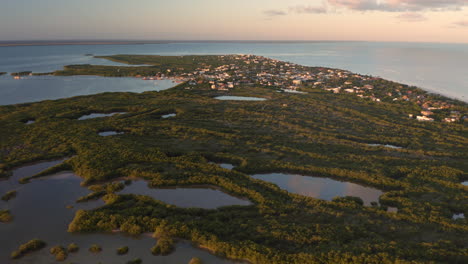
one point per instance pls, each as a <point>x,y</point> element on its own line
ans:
<point>308,9</point>
<point>399,5</point>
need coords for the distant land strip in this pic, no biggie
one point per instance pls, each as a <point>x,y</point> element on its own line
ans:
<point>62,43</point>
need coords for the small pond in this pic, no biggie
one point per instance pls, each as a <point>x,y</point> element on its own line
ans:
<point>169,115</point>
<point>109,133</point>
<point>40,211</point>
<point>293,91</point>
<point>321,188</point>
<point>465,183</point>
<point>239,98</point>
<point>199,197</point>
<point>386,146</point>
<point>98,115</point>
<point>226,166</point>
<point>29,122</point>
<point>458,216</point>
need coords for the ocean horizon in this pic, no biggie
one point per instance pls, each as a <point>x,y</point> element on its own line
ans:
<point>435,67</point>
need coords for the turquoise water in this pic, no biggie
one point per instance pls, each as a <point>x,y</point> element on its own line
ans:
<point>440,68</point>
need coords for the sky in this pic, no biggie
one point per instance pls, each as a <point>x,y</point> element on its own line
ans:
<point>360,20</point>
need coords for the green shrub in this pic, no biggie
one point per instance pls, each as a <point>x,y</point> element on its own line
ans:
<point>95,248</point>
<point>72,248</point>
<point>31,246</point>
<point>122,250</point>
<point>164,246</point>
<point>195,260</point>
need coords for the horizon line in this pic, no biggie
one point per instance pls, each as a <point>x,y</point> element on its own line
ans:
<point>52,42</point>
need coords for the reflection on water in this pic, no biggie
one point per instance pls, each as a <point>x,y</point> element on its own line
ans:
<point>12,183</point>
<point>186,197</point>
<point>98,115</point>
<point>239,98</point>
<point>109,133</point>
<point>168,115</point>
<point>226,166</point>
<point>386,146</point>
<point>458,216</point>
<point>38,88</point>
<point>465,183</point>
<point>322,188</point>
<point>29,122</point>
<point>40,211</point>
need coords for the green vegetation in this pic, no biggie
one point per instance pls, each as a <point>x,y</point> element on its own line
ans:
<point>122,250</point>
<point>318,134</point>
<point>59,252</point>
<point>5,216</point>
<point>31,246</point>
<point>101,190</point>
<point>164,246</point>
<point>24,73</point>
<point>73,248</point>
<point>135,261</point>
<point>95,248</point>
<point>195,260</point>
<point>9,195</point>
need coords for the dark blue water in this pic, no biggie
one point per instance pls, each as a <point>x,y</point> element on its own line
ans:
<point>437,67</point>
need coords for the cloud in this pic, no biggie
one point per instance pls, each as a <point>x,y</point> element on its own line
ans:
<point>308,9</point>
<point>273,12</point>
<point>463,23</point>
<point>408,6</point>
<point>411,17</point>
<point>399,5</point>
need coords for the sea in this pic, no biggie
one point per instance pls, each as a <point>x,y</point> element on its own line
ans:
<point>436,67</point>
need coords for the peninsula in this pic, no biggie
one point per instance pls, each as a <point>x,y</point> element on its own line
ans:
<point>408,144</point>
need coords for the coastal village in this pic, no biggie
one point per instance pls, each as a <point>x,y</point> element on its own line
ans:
<point>232,71</point>
<point>250,70</point>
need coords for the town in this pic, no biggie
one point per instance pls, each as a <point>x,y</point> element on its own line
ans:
<point>250,70</point>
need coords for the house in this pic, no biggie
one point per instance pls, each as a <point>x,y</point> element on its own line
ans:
<point>426,113</point>
<point>424,118</point>
<point>334,90</point>
<point>297,82</point>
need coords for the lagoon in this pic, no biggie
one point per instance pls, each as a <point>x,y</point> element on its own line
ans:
<point>40,211</point>
<point>38,88</point>
<point>321,188</point>
<point>197,197</point>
